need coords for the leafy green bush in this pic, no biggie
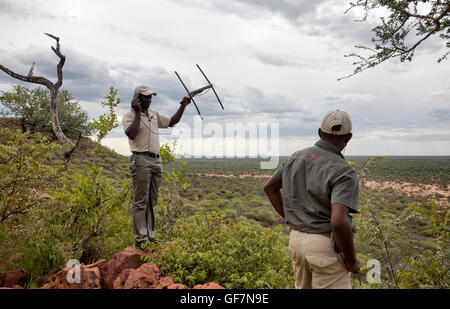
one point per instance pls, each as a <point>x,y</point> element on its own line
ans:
<point>24,171</point>
<point>49,215</point>
<point>93,214</point>
<point>26,178</point>
<point>208,248</point>
<point>33,105</point>
<point>170,206</point>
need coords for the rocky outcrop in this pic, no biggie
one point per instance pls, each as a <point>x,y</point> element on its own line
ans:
<point>145,277</point>
<point>14,279</point>
<point>125,270</point>
<point>88,278</point>
<point>128,258</point>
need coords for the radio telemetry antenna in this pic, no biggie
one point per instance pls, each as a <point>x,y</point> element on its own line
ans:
<point>193,93</point>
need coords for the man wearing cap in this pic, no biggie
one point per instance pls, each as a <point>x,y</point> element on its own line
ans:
<point>320,190</point>
<point>141,126</point>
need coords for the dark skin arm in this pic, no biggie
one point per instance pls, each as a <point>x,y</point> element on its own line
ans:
<point>177,116</point>
<point>342,232</point>
<point>133,129</point>
<point>272,189</point>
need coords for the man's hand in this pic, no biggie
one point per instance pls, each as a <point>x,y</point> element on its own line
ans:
<point>186,100</point>
<point>353,266</point>
<point>136,105</point>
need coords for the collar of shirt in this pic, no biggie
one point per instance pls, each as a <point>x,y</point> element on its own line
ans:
<point>329,147</point>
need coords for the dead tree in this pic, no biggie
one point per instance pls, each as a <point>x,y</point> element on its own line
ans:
<point>54,90</point>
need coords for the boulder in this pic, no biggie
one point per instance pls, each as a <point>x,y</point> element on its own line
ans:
<point>19,287</point>
<point>177,286</point>
<point>89,278</point>
<point>164,283</point>
<point>119,283</point>
<point>125,270</point>
<point>145,277</point>
<point>208,286</point>
<point>128,258</point>
<point>11,279</point>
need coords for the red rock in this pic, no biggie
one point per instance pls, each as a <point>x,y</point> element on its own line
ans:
<point>145,277</point>
<point>119,283</point>
<point>89,279</point>
<point>128,258</point>
<point>177,286</point>
<point>164,283</point>
<point>98,264</point>
<point>10,279</point>
<point>208,286</point>
<point>15,287</point>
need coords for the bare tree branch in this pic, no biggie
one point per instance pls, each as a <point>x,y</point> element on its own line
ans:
<point>53,87</point>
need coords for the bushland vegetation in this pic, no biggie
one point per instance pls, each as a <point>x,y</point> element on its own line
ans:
<point>212,213</point>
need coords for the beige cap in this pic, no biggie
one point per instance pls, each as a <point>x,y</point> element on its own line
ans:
<point>337,120</point>
<point>145,90</point>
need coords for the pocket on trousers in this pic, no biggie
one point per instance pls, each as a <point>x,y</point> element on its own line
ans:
<point>291,252</point>
<point>133,163</point>
<point>321,261</point>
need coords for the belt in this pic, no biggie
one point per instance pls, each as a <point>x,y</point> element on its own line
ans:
<point>148,154</point>
<point>323,234</point>
<point>326,234</point>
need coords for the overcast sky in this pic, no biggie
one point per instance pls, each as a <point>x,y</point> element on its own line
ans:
<point>270,61</point>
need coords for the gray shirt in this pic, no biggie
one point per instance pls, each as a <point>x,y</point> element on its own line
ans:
<point>313,179</point>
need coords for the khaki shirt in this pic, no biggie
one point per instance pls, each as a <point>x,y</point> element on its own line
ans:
<point>312,180</point>
<point>147,139</point>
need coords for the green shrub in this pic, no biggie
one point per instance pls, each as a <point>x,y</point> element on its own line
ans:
<point>209,248</point>
<point>49,215</point>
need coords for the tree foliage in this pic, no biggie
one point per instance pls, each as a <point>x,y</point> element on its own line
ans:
<point>408,25</point>
<point>33,105</point>
<point>108,121</point>
<point>24,172</point>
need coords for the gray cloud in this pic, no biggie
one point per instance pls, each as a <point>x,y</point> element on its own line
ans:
<point>442,114</point>
<point>349,98</point>
<point>24,10</point>
<point>279,60</point>
<point>311,17</point>
<point>145,36</point>
<point>88,79</point>
<point>289,9</point>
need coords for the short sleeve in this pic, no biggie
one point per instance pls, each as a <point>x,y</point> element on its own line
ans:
<point>127,120</point>
<point>346,190</point>
<point>279,173</point>
<point>163,121</point>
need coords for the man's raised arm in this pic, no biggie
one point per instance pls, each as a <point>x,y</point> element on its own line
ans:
<point>177,116</point>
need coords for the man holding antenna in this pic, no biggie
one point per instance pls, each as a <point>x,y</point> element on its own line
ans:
<point>141,126</point>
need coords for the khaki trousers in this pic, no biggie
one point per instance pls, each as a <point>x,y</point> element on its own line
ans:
<point>146,173</point>
<point>316,264</point>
